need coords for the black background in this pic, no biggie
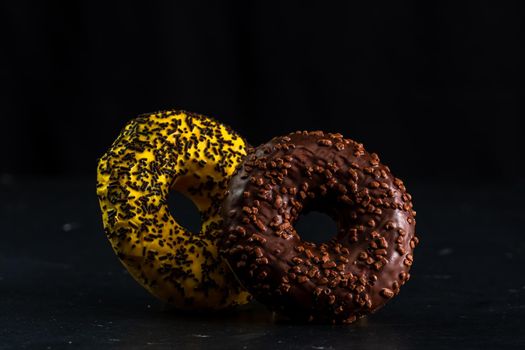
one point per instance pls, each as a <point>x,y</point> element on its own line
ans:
<point>434,88</point>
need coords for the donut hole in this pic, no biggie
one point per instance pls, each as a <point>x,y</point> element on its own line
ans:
<point>315,227</point>
<point>184,211</point>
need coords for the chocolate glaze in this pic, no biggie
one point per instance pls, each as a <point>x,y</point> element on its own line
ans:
<point>338,281</point>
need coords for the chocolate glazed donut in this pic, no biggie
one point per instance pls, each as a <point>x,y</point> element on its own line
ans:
<point>339,281</point>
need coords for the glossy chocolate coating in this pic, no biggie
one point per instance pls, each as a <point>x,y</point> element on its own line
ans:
<point>338,281</point>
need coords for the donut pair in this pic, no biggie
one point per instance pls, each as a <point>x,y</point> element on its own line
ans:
<point>249,200</point>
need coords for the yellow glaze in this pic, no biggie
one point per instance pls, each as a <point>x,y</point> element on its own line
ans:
<point>153,155</point>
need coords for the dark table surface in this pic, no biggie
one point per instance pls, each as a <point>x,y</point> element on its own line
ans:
<point>62,287</point>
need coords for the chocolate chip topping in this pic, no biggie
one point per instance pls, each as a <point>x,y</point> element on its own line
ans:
<point>354,273</point>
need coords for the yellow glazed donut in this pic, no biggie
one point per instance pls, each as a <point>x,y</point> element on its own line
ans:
<point>154,155</point>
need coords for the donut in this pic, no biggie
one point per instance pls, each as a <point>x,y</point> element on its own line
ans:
<point>157,154</point>
<point>338,281</point>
